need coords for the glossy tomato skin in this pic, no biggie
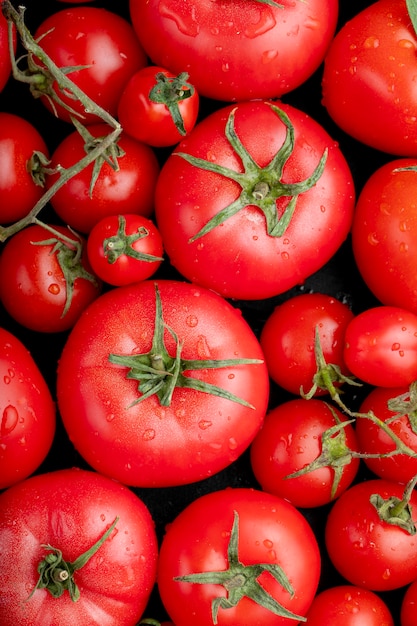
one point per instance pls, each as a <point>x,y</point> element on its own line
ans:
<point>5,65</point>
<point>128,190</point>
<point>97,38</point>
<point>366,550</point>
<point>28,412</point>
<point>381,346</point>
<point>271,530</point>
<point>238,50</point>
<point>384,234</point>
<point>288,339</point>
<point>70,510</point>
<point>124,269</point>
<point>18,191</point>
<point>146,443</point>
<point>149,121</point>
<point>374,441</point>
<point>238,258</point>
<point>348,605</point>
<point>289,440</point>
<point>368,78</point>
<point>33,288</point>
<point>408,605</point>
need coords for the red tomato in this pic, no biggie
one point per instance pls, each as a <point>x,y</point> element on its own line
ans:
<point>5,65</point>
<point>369,75</point>
<point>365,549</point>
<point>124,249</point>
<point>409,605</point>
<point>348,605</point>
<point>373,440</point>
<point>158,107</point>
<point>384,234</point>
<point>288,340</point>
<point>130,420</point>
<point>44,285</point>
<point>70,511</point>
<point>302,435</point>
<point>256,246</point>
<point>129,189</point>
<point>27,424</point>
<point>231,537</point>
<point>19,189</point>
<point>100,40</point>
<point>381,346</point>
<point>237,50</point>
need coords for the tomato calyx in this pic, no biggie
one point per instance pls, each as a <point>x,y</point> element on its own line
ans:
<point>122,244</point>
<point>412,12</point>
<point>170,91</point>
<point>405,405</point>
<point>241,580</point>
<point>57,575</point>
<point>158,373</point>
<point>396,511</point>
<point>260,186</point>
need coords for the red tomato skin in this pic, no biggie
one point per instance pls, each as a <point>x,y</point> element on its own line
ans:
<point>238,50</point>
<point>5,65</point>
<point>151,122</point>
<point>372,440</point>
<point>125,270</point>
<point>27,425</point>
<point>384,234</point>
<point>70,510</point>
<point>368,78</point>
<point>348,605</point>
<point>290,439</point>
<point>381,346</point>
<point>271,531</point>
<point>147,444</point>
<point>238,259</point>
<point>288,335</point>
<point>94,37</point>
<point>409,606</point>
<point>366,551</point>
<point>128,190</point>
<point>32,286</point>
<point>18,191</point>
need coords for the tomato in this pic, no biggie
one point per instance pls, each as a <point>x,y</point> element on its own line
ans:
<point>130,420</point>
<point>237,50</point>
<point>19,190</point>
<point>102,44</point>
<point>128,189</point>
<point>5,65</point>
<point>348,605</point>
<point>381,346</point>
<point>408,606</point>
<point>384,233</point>
<point>378,553</point>
<point>368,78</point>
<point>27,425</point>
<point>303,436</point>
<point>50,521</point>
<point>229,205</point>
<point>158,107</point>
<point>124,249</point>
<point>45,284</point>
<point>374,440</point>
<point>288,340</point>
<point>226,546</point>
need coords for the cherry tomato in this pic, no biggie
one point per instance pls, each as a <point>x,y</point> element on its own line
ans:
<point>45,284</point>
<point>127,189</point>
<point>158,107</point>
<point>381,346</point>
<point>20,188</point>
<point>348,605</point>
<point>5,65</point>
<point>124,249</point>
<point>51,522</point>
<point>232,542</point>
<point>409,605</point>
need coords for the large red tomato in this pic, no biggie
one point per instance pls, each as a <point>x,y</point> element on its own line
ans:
<point>237,50</point>
<point>256,199</point>
<point>155,387</point>
<point>53,571</point>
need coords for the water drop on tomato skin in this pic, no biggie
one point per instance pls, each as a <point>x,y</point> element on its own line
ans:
<point>9,420</point>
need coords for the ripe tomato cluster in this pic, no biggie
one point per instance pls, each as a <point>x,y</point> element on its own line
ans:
<point>208,313</point>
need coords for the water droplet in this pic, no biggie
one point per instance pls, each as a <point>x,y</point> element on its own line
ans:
<point>395,347</point>
<point>269,55</point>
<point>285,256</point>
<point>371,42</point>
<point>405,43</point>
<point>403,247</point>
<point>54,288</point>
<point>204,424</point>
<point>9,420</point>
<point>268,543</point>
<point>191,321</point>
<point>103,517</point>
<point>232,443</point>
<point>184,17</point>
<point>266,22</point>
<point>148,434</point>
<point>373,239</point>
<point>110,417</point>
<point>231,376</point>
